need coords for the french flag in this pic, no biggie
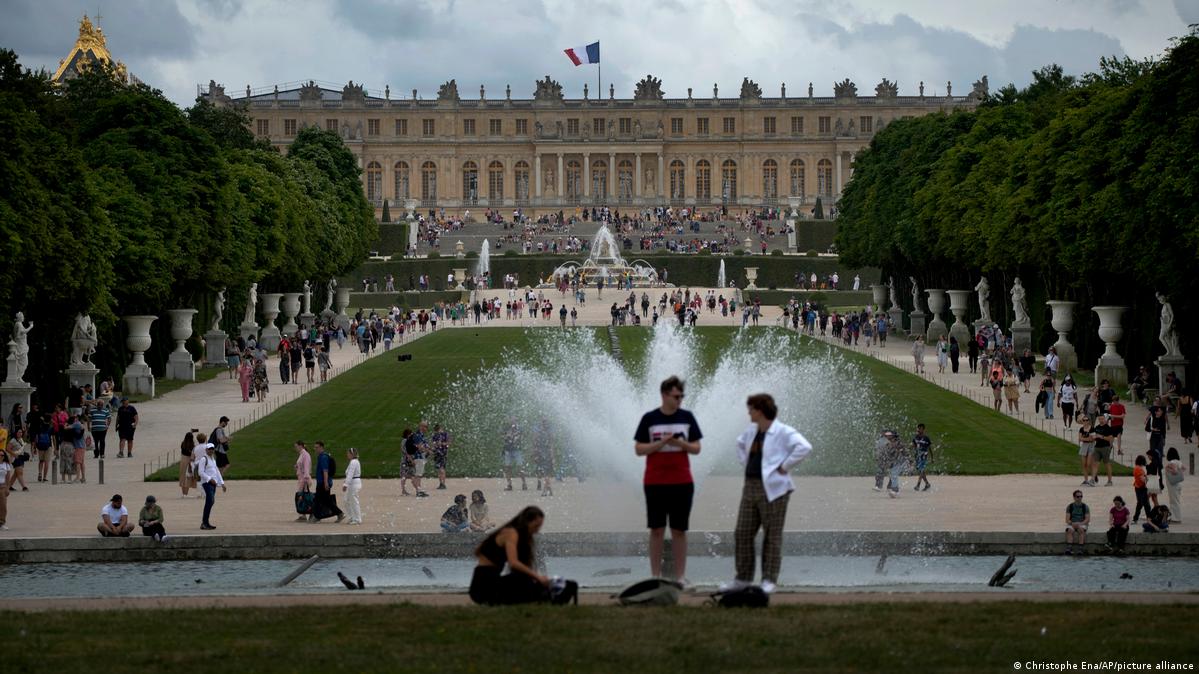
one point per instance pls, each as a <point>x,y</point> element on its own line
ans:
<point>581,55</point>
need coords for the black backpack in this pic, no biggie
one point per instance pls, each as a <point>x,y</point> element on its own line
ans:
<point>750,596</point>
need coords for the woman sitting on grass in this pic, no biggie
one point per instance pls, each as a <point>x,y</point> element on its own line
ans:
<point>511,544</point>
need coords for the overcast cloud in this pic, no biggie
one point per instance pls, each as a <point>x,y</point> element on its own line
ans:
<point>418,44</point>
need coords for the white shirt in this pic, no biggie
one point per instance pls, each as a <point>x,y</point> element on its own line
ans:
<point>114,514</point>
<point>353,474</point>
<point>782,447</point>
<point>208,472</point>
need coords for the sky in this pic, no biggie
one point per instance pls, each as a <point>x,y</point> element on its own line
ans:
<point>173,45</point>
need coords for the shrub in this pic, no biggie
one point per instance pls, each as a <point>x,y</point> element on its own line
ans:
<point>510,253</point>
<point>777,251</point>
<point>705,251</point>
<point>434,254</point>
<point>386,212</point>
<point>818,211</point>
<point>472,254</point>
<point>738,251</point>
<point>812,253</point>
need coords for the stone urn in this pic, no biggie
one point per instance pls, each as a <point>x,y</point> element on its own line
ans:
<point>1111,364</point>
<point>459,276</point>
<point>878,296</point>
<point>342,301</point>
<point>1062,322</point>
<point>180,364</point>
<point>959,302</point>
<point>139,380</point>
<point>751,275</point>
<point>291,307</point>
<point>459,250</point>
<point>936,326</point>
<point>270,337</point>
<point>749,246</point>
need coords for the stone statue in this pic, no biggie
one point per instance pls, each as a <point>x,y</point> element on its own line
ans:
<point>980,91</point>
<point>330,287</point>
<point>750,90</point>
<point>949,89</point>
<point>921,88</point>
<point>915,294</point>
<point>20,347</point>
<point>611,91</point>
<point>307,297</point>
<point>715,91</point>
<point>649,180</point>
<point>83,340</point>
<point>845,89</point>
<point>558,129</point>
<point>1168,335</point>
<point>549,181</point>
<point>894,296</point>
<point>809,89</point>
<point>611,130</point>
<point>636,128</point>
<point>984,293</point>
<point>219,310</point>
<point>538,130</point>
<point>1019,305</point>
<point>648,89</point>
<point>448,91</point>
<point>839,128</point>
<point>661,130</point>
<point>886,89</point>
<point>251,304</point>
<point>586,129</point>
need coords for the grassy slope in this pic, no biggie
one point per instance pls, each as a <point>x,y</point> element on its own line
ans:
<point>369,406</point>
<point>864,637</point>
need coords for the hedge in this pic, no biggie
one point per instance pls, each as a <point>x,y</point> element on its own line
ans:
<point>393,239</point>
<point>404,300</point>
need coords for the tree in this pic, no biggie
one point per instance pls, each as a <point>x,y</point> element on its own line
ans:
<point>386,212</point>
<point>818,210</point>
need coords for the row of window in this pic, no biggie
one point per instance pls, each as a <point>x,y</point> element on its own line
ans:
<point>574,183</point>
<point>495,127</point>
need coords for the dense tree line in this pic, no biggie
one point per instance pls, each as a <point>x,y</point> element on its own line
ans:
<point>1083,187</point>
<point>115,201</point>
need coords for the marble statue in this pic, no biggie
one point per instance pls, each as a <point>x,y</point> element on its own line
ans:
<point>549,181</point>
<point>20,347</point>
<point>331,286</point>
<point>894,296</point>
<point>1168,335</point>
<point>307,297</point>
<point>1019,305</point>
<point>83,340</point>
<point>251,304</point>
<point>219,310</point>
<point>915,294</point>
<point>984,293</point>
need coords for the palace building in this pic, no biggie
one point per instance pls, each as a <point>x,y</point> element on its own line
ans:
<point>551,153</point>
<point>90,48</point>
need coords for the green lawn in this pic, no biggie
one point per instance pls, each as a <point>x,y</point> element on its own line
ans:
<point>870,637</point>
<point>369,406</point>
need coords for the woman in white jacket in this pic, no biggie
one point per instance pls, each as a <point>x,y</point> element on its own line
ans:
<point>769,450</point>
<point>353,485</point>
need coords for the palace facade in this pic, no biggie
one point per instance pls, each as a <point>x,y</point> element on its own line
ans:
<point>549,152</point>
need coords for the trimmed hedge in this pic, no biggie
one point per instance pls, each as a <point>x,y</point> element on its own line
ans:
<point>816,235</point>
<point>393,239</point>
<point>840,298</point>
<point>404,300</point>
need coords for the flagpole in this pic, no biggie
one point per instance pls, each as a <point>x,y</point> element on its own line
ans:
<point>599,83</point>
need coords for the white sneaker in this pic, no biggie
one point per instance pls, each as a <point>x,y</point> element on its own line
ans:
<point>733,585</point>
<point>157,538</point>
<point>893,494</point>
<point>877,488</point>
<point>4,527</point>
<point>767,587</point>
<point>686,584</point>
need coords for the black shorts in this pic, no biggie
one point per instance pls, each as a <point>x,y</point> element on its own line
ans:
<point>1117,430</point>
<point>125,433</point>
<point>668,503</point>
<point>222,459</point>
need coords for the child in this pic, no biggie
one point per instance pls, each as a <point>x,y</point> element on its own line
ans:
<point>1159,520</point>
<point>479,520</point>
<point>1117,532</point>
<point>1078,517</point>
<point>921,446</point>
<point>1139,479</point>
<point>455,518</point>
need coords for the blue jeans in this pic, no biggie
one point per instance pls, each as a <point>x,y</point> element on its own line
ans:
<point>1049,404</point>
<point>209,499</point>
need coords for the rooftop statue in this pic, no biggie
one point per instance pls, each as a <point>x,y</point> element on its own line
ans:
<point>750,90</point>
<point>548,90</point>
<point>448,92</point>
<point>845,89</point>
<point>886,89</point>
<point>648,89</point>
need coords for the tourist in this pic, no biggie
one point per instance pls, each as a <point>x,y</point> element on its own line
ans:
<point>310,362</point>
<point>99,418</point>
<point>187,479</point>
<point>1048,389</point>
<point>1156,426</point>
<point>456,518</point>
<point>666,436</point>
<point>1067,396</point>
<point>441,451</point>
<point>896,461</point>
<point>543,457</point>
<point>1011,391</point>
<point>479,520</point>
<point>418,448</point>
<point>352,486</point>
<point>942,350</point>
<point>220,441</point>
<point>18,453</point>
<point>1117,532</point>
<point>245,377</point>
<point>1175,473</point>
<point>323,359</point>
<point>996,383</point>
<point>1139,481</point>
<point>922,451</point>
<point>78,444</point>
<point>1153,473</point>
<point>768,449</point>
<point>303,468</point>
<point>882,458</point>
<point>296,354</point>
<point>324,504</point>
<point>917,352</point>
<point>126,425</point>
<point>284,363</point>
<point>1078,517</point>
<point>43,441</point>
<point>1052,362</point>
<point>1116,413</point>
<point>512,457</point>
<point>232,357</point>
<point>511,545</point>
<point>6,470</point>
<point>1026,364</point>
<point>1086,450</point>
<point>1103,434</point>
<point>972,355</point>
<point>955,354</point>
<point>114,519</point>
<point>406,469</point>
<point>1158,520</point>
<point>150,520</point>
<point>209,477</point>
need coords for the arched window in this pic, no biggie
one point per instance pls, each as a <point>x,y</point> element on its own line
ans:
<point>428,184</point>
<point>703,181</point>
<point>728,180</point>
<point>599,180</point>
<point>824,179</point>
<point>770,181</point>
<point>495,183</point>
<point>624,175</point>
<point>522,183</point>
<point>797,178</point>
<point>678,181</point>
<point>402,181</point>
<point>470,183</point>
<point>374,183</point>
<point>574,181</point>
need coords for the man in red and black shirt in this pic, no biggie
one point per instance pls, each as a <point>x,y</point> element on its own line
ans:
<point>666,437</point>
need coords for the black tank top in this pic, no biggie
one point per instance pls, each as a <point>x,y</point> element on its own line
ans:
<point>492,552</point>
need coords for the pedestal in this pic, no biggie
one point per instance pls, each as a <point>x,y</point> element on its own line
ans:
<point>291,307</point>
<point>343,301</point>
<point>138,380</point>
<point>16,393</point>
<point>271,336</point>
<point>1021,338</point>
<point>180,364</point>
<point>936,326</point>
<point>896,320</point>
<point>79,375</point>
<point>248,330</point>
<point>214,349</point>
<point>307,320</point>
<point>1165,365</point>
<point>917,323</point>
<point>792,232</point>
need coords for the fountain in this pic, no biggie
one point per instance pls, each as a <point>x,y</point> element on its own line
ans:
<point>605,262</point>
<point>484,265</point>
<point>721,280</point>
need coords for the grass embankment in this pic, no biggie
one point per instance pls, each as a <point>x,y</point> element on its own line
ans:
<point>369,406</point>
<point>874,637</point>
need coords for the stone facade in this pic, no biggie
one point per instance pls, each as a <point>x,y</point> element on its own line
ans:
<point>551,152</point>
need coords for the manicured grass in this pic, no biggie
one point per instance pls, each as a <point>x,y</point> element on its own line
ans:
<point>369,406</point>
<point>875,637</point>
